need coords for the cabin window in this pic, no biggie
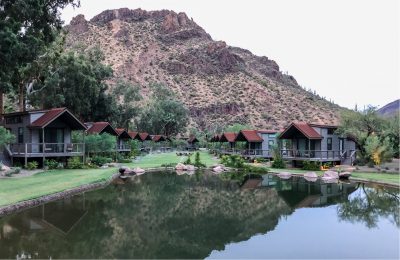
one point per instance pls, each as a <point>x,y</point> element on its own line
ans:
<point>329,143</point>
<point>20,135</point>
<point>331,131</point>
<point>13,120</point>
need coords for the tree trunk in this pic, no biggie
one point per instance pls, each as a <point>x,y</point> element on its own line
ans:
<point>21,98</point>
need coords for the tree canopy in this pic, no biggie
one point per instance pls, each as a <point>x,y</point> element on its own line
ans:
<point>164,114</point>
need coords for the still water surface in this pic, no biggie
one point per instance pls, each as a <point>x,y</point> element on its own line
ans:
<point>163,215</point>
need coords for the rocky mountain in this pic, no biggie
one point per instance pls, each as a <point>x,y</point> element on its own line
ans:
<point>391,109</point>
<point>219,84</point>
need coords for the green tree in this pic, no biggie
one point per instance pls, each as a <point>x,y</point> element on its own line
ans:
<point>5,137</point>
<point>27,27</point>
<point>164,114</point>
<point>128,107</point>
<point>78,81</point>
<point>236,128</point>
<point>377,150</point>
<point>100,143</point>
<point>360,126</point>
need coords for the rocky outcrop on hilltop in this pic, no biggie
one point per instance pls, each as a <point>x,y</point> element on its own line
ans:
<point>219,84</point>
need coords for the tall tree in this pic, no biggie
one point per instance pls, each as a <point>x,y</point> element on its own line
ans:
<point>26,28</point>
<point>77,81</point>
<point>164,114</point>
<point>128,108</point>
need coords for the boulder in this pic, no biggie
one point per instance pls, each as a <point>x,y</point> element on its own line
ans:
<point>5,168</point>
<point>218,169</point>
<point>190,168</point>
<point>104,166</point>
<point>180,172</point>
<point>180,167</point>
<point>138,171</point>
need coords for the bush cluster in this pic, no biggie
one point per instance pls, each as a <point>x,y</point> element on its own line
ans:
<point>310,166</point>
<point>100,160</point>
<point>75,163</point>
<point>234,161</point>
<point>32,165</point>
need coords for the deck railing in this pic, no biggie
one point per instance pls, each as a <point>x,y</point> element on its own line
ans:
<point>44,148</point>
<point>314,154</point>
<point>247,152</point>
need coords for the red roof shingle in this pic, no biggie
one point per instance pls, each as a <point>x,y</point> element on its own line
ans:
<point>134,135</point>
<point>122,133</point>
<point>54,113</point>
<point>100,127</point>
<point>304,128</point>
<point>159,138</point>
<point>250,136</point>
<point>228,137</point>
<point>144,136</point>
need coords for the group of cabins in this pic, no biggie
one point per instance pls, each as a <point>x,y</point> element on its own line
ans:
<point>297,142</point>
<point>42,134</point>
<point>48,134</point>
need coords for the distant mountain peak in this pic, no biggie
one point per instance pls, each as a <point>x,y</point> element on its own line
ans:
<point>391,109</point>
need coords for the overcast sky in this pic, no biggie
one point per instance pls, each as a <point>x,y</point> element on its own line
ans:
<point>346,50</point>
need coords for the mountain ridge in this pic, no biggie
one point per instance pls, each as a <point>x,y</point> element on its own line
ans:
<point>219,84</point>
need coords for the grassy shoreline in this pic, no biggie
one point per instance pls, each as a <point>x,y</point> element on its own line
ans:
<point>380,178</point>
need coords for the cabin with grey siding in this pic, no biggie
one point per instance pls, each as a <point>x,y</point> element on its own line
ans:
<point>42,134</point>
<point>313,142</point>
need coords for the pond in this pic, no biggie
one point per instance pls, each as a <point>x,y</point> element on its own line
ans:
<point>164,215</point>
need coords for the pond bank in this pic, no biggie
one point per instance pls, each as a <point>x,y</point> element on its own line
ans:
<point>25,204</point>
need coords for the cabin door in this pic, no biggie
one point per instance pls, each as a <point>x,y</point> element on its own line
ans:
<point>54,139</point>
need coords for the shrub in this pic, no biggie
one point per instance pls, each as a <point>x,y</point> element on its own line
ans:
<point>51,164</point>
<point>278,161</point>
<point>188,160</point>
<point>32,165</point>
<point>74,163</point>
<point>100,160</point>
<point>310,166</point>
<point>234,161</point>
<point>197,161</point>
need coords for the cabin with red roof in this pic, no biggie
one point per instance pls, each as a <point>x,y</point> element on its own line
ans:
<point>315,142</point>
<point>123,140</point>
<point>42,134</point>
<point>228,137</point>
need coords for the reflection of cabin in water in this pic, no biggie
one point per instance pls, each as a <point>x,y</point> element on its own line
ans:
<point>59,216</point>
<point>298,192</point>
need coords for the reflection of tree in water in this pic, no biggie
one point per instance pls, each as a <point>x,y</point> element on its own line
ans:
<point>158,216</point>
<point>367,205</point>
<point>168,216</point>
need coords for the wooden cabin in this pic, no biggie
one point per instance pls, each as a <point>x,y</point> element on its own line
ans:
<point>313,142</point>
<point>253,146</point>
<point>123,140</point>
<point>228,137</point>
<point>41,135</point>
<point>269,141</point>
<point>192,143</point>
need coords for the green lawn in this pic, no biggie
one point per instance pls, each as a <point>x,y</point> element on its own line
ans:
<point>156,160</point>
<point>370,176</point>
<point>25,188</point>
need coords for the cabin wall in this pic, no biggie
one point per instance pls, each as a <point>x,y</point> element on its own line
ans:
<point>266,145</point>
<point>324,142</point>
<point>26,131</point>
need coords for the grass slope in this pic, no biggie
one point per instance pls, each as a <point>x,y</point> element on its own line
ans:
<point>21,189</point>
